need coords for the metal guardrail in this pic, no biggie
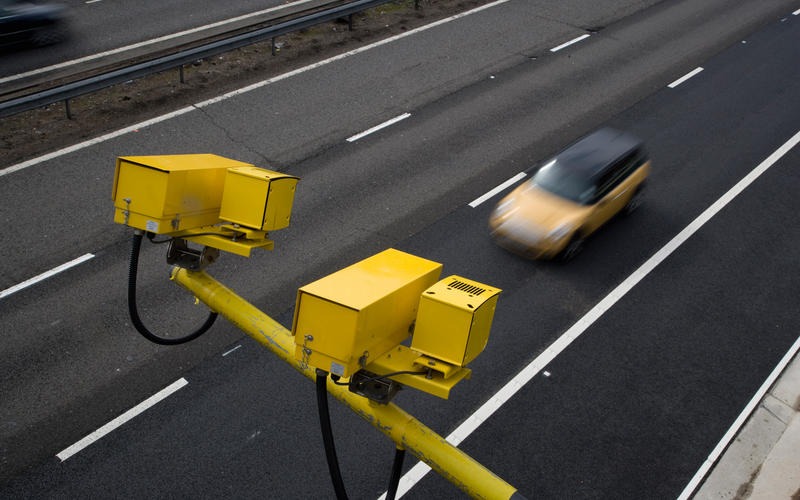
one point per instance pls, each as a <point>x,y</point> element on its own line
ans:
<point>180,58</point>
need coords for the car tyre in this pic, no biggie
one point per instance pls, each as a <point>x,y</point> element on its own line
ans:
<point>573,248</point>
<point>635,202</point>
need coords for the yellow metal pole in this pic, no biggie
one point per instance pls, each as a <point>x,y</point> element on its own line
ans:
<point>405,430</point>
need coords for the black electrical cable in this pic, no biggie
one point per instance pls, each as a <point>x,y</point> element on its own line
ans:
<point>152,238</point>
<point>397,469</point>
<point>137,321</point>
<point>327,435</point>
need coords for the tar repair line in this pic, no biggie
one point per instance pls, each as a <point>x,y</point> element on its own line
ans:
<point>45,275</point>
<point>168,116</point>
<point>494,403</point>
<point>125,417</point>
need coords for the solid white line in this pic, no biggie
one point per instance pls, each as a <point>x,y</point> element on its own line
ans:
<point>567,44</point>
<point>796,13</point>
<point>378,127</point>
<point>477,201</point>
<point>685,77</point>
<point>125,417</point>
<point>523,377</point>
<point>133,128</point>
<point>142,44</point>
<point>45,275</point>
<point>739,422</point>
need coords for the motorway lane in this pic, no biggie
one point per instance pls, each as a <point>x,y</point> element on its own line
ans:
<point>312,259</point>
<point>654,383</point>
<point>105,25</point>
<point>636,404</point>
<point>633,408</point>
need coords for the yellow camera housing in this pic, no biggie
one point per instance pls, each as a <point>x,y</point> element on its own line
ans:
<point>169,193</point>
<point>353,316</point>
<point>355,323</point>
<point>172,193</point>
<point>454,319</point>
<point>257,198</point>
<point>204,198</point>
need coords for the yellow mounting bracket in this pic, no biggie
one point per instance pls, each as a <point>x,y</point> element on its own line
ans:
<point>435,377</point>
<point>228,237</point>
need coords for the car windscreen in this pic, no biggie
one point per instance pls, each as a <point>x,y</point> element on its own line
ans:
<point>569,183</point>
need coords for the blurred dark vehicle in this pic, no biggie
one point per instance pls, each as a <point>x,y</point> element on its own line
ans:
<point>34,23</point>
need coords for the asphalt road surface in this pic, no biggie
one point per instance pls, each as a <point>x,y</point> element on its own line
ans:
<point>673,316</point>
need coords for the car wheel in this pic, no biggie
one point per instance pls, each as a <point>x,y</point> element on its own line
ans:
<point>635,202</point>
<point>573,248</point>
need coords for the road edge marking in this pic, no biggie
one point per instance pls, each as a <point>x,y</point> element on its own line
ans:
<point>737,425</point>
<point>487,409</point>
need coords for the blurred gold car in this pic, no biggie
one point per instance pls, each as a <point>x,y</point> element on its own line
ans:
<point>572,195</point>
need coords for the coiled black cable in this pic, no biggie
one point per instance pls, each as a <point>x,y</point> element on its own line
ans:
<point>327,435</point>
<point>137,321</point>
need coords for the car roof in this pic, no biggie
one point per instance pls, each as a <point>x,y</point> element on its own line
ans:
<point>595,152</point>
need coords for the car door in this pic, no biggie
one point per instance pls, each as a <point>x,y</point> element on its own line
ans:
<point>612,194</point>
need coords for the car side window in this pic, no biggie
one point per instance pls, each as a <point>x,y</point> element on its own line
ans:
<point>588,196</point>
<point>610,179</point>
<point>619,171</point>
